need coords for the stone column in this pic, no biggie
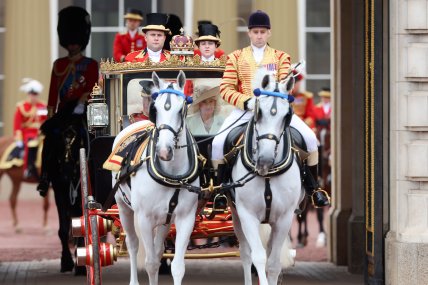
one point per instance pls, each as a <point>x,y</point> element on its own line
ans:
<point>26,53</point>
<point>346,221</point>
<point>406,243</point>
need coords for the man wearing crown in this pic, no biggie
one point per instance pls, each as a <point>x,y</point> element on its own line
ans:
<point>131,40</point>
<point>155,34</point>
<point>208,42</point>
<point>236,89</point>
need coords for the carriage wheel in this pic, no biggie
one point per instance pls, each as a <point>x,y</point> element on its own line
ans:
<point>93,275</point>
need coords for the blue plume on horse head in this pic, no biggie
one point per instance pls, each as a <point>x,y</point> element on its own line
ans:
<point>164,87</point>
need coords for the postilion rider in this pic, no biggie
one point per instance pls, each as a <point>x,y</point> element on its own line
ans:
<point>236,89</point>
<point>29,116</point>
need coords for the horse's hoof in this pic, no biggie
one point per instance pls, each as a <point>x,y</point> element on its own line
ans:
<point>80,271</point>
<point>67,264</point>
<point>18,230</point>
<point>164,268</point>
<point>321,240</point>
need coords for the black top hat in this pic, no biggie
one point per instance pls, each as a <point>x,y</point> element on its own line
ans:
<point>134,14</point>
<point>147,87</point>
<point>259,19</point>
<point>157,22</point>
<point>74,27</point>
<point>208,32</point>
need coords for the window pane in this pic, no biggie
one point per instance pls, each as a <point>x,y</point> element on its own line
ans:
<point>65,3</point>
<point>102,45</point>
<point>1,52</point>
<point>2,4</point>
<point>245,8</point>
<point>243,40</point>
<point>144,6</point>
<point>318,53</point>
<point>104,13</point>
<point>318,13</point>
<point>172,7</point>
<point>316,86</point>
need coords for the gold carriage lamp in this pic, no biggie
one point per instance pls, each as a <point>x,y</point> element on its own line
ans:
<point>97,110</point>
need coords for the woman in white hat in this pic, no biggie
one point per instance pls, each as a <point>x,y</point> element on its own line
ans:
<point>205,118</point>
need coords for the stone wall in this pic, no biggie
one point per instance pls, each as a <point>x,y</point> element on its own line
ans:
<point>406,255</point>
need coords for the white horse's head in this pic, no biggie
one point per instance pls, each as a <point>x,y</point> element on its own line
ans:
<point>272,113</point>
<point>168,112</point>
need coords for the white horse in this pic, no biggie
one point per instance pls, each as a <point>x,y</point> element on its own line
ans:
<point>271,114</point>
<point>149,200</point>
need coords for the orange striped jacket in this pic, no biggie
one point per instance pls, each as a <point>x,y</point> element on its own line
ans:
<point>235,87</point>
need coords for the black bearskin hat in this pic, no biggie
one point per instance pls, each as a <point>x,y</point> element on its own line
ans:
<point>74,27</point>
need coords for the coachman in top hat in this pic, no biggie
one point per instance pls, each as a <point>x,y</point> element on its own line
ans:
<point>155,34</point>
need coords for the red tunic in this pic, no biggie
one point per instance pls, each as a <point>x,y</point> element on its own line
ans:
<point>70,80</point>
<point>321,118</point>
<point>27,121</point>
<point>217,54</point>
<point>143,55</point>
<point>124,44</point>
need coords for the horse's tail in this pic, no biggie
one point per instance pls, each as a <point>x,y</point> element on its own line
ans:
<point>287,252</point>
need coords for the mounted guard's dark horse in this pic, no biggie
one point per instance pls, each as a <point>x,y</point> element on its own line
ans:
<point>65,134</point>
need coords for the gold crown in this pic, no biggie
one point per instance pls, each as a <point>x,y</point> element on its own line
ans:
<point>181,44</point>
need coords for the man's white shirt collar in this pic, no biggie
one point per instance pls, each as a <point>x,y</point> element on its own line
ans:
<point>154,55</point>
<point>211,58</point>
<point>133,33</point>
<point>258,53</point>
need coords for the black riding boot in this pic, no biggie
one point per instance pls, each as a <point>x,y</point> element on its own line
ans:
<point>44,182</point>
<point>318,196</point>
<point>31,171</point>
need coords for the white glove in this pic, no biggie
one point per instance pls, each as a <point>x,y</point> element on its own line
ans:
<point>79,109</point>
<point>19,144</point>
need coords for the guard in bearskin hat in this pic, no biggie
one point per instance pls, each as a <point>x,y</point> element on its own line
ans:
<point>131,40</point>
<point>155,33</point>
<point>72,80</point>
<point>237,90</point>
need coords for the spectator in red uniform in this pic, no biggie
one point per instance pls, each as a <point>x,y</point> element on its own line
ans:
<point>155,34</point>
<point>322,111</point>
<point>131,40</point>
<point>303,103</point>
<point>29,116</point>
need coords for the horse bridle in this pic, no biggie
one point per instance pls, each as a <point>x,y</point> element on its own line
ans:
<point>187,100</point>
<point>273,111</point>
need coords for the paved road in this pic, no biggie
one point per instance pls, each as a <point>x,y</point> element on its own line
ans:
<point>205,272</point>
<point>31,256</point>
